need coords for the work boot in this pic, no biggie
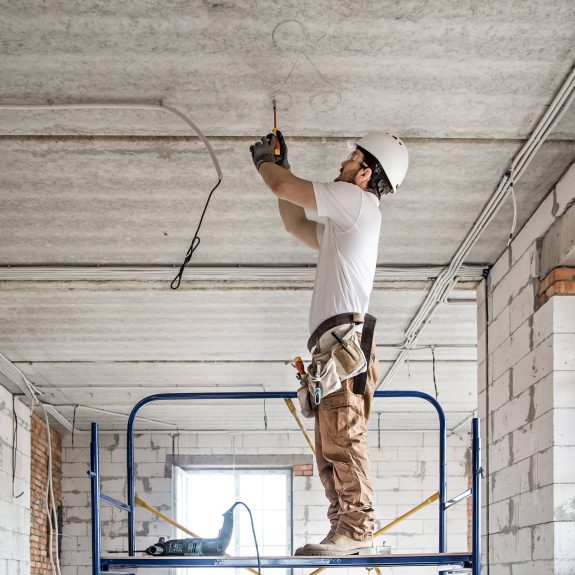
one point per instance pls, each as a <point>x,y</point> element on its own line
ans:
<point>339,544</point>
<point>326,539</point>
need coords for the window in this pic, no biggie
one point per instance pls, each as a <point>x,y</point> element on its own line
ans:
<point>203,495</point>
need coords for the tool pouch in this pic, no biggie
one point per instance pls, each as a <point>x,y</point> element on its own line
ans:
<point>345,348</point>
<point>324,372</point>
<point>305,397</point>
<point>336,357</point>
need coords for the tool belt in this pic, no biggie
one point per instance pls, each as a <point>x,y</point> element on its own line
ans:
<point>337,355</point>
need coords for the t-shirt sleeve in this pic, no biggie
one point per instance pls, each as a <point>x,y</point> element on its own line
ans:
<point>338,201</point>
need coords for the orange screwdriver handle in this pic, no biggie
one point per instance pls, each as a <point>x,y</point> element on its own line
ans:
<point>299,365</point>
<point>277,149</point>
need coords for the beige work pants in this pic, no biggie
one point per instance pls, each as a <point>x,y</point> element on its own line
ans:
<point>342,455</point>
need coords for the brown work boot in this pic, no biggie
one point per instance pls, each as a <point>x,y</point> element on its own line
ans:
<point>326,539</point>
<point>339,545</point>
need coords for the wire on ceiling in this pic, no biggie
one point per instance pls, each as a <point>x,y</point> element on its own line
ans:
<point>141,106</point>
<point>448,277</point>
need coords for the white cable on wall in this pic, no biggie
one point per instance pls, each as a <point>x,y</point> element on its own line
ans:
<point>8,369</point>
<point>444,283</point>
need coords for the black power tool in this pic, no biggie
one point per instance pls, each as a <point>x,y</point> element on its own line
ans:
<point>196,546</point>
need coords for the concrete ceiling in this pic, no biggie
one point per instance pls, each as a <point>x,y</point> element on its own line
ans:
<point>464,83</point>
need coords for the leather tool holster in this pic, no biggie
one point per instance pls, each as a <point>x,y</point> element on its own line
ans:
<point>337,354</point>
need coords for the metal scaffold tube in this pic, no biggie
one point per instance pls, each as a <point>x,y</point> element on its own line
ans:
<point>466,559</point>
<point>95,503</point>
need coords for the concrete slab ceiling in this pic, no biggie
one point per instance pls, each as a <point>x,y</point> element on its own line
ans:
<point>464,84</point>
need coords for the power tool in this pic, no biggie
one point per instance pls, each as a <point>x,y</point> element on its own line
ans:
<point>198,546</point>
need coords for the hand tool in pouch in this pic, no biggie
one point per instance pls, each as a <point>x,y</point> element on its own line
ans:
<point>298,364</point>
<point>317,394</point>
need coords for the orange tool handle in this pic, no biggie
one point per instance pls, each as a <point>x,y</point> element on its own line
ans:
<point>277,150</point>
<point>299,365</point>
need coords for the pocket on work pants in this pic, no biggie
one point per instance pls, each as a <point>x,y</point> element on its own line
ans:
<point>341,416</point>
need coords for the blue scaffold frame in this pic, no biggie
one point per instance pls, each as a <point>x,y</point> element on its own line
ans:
<point>467,560</point>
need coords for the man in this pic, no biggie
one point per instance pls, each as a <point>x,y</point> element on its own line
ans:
<point>347,245</point>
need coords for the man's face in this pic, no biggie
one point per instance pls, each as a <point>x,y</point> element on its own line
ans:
<point>350,167</point>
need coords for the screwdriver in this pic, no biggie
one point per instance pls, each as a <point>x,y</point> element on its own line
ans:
<point>277,145</point>
<point>299,365</point>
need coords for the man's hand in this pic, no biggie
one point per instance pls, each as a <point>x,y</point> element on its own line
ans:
<point>263,151</point>
<point>282,159</point>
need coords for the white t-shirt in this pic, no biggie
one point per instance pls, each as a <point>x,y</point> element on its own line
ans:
<point>348,250</point>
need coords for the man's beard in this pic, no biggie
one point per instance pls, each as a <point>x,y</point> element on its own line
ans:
<point>348,177</point>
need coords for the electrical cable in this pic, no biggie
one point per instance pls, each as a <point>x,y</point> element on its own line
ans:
<point>140,106</point>
<point>195,242</point>
<point>434,378</point>
<point>74,422</point>
<point>487,288</point>
<point>444,281</point>
<point>50,503</point>
<point>514,222</point>
<point>32,392</point>
<point>265,412</point>
<point>14,447</point>
<point>253,531</point>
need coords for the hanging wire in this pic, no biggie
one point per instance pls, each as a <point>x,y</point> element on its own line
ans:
<point>253,533</point>
<point>14,447</point>
<point>408,368</point>
<point>74,423</point>
<point>509,174</point>
<point>138,106</point>
<point>379,431</point>
<point>434,377</point>
<point>265,412</point>
<point>195,242</point>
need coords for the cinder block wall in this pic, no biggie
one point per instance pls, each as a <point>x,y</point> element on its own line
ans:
<point>39,532</point>
<point>14,511</point>
<point>404,469</point>
<point>526,386</point>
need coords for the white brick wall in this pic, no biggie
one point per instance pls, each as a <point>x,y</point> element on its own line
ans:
<point>404,471</point>
<point>15,512</point>
<point>526,393</point>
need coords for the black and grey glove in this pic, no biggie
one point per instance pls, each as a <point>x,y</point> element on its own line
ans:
<point>282,159</point>
<point>263,151</point>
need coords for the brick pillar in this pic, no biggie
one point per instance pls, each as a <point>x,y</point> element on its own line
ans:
<point>39,557</point>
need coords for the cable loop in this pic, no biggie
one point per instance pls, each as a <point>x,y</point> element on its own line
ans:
<point>195,242</point>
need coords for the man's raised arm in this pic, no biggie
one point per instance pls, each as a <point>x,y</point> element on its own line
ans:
<point>293,193</point>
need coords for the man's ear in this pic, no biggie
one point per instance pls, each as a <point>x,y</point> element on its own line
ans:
<point>364,176</point>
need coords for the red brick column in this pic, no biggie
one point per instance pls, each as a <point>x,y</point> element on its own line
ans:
<point>560,281</point>
<point>39,533</point>
<point>299,470</point>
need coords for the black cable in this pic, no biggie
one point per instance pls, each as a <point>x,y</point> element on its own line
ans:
<point>487,279</point>
<point>195,242</point>
<point>265,415</point>
<point>434,378</point>
<point>253,531</point>
<point>74,423</point>
<point>14,447</point>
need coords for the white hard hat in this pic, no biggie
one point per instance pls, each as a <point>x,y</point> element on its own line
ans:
<point>390,152</point>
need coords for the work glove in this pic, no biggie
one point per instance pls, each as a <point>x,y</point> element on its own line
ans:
<point>263,151</point>
<point>282,159</point>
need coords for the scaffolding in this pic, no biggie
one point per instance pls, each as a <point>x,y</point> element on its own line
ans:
<point>469,561</point>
